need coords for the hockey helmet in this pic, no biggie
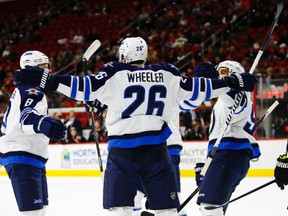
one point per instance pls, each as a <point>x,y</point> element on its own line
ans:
<point>232,66</point>
<point>133,49</point>
<point>33,58</point>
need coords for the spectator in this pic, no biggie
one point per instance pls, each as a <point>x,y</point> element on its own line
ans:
<point>180,41</point>
<point>283,73</point>
<point>72,121</point>
<point>8,53</point>
<point>74,137</point>
<point>195,132</point>
<point>188,117</point>
<point>101,130</point>
<point>229,17</point>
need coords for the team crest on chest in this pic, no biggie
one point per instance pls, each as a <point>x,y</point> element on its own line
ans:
<point>32,91</point>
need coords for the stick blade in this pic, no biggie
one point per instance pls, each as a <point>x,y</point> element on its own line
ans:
<point>91,50</point>
<point>211,207</point>
<point>280,6</point>
<point>146,213</point>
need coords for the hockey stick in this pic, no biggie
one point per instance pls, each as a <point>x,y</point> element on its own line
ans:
<point>263,117</point>
<point>89,52</point>
<point>188,199</point>
<point>86,56</point>
<point>243,195</point>
<point>97,144</point>
<point>268,111</point>
<point>146,213</point>
<point>240,95</point>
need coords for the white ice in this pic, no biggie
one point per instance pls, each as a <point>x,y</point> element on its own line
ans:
<point>82,196</point>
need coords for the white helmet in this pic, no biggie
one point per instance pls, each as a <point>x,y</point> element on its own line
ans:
<point>33,58</point>
<point>232,66</point>
<point>133,49</point>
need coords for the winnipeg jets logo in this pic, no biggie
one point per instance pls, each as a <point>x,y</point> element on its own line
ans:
<point>32,91</point>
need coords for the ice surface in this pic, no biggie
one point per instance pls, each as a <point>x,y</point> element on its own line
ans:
<point>82,196</point>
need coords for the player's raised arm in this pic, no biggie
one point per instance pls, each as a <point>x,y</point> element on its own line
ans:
<point>204,89</point>
<point>81,88</point>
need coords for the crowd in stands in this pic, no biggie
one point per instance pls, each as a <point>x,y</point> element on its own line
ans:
<point>172,29</point>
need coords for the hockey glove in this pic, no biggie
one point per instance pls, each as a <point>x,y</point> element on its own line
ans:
<point>206,70</point>
<point>241,82</point>
<point>198,176</point>
<point>281,171</point>
<point>95,106</point>
<point>51,127</point>
<point>35,76</point>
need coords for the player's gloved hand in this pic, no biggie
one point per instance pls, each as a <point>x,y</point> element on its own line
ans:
<point>95,106</point>
<point>207,70</point>
<point>35,76</point>
<point>241,82</point>
<point>198,168</point>
<point>51,127</point>
<point>281,171</point>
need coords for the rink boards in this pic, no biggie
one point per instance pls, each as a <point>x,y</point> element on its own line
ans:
<point>82,160</point>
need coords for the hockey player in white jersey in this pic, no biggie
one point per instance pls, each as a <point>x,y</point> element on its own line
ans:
<point>141,99</point>
<point>26,129</point>
<point>237,147</point>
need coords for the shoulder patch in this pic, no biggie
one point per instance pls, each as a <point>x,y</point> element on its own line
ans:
<point>32,91</point>
<point>109,64</point>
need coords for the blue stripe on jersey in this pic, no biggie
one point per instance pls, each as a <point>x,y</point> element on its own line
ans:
<point>174,151</point>
<point>183,109</point>
<point>256,150</point>
<point>190,106</point>
<point>4,124</point>
<point>74,87</point>
<point>242,103</point>
<point>242,109</point>
<point>208,92</point>
<point>22,159</point>
<point>87,88</point>
<point>135,141</point>
<point>196,88</point>
<point>231,143</point>
<point>25,113</point>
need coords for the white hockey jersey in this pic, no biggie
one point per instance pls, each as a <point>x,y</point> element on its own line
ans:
<point>140,100</point>
<point>239,133</point>
<point>19,142</point>
<point>174,142</point>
